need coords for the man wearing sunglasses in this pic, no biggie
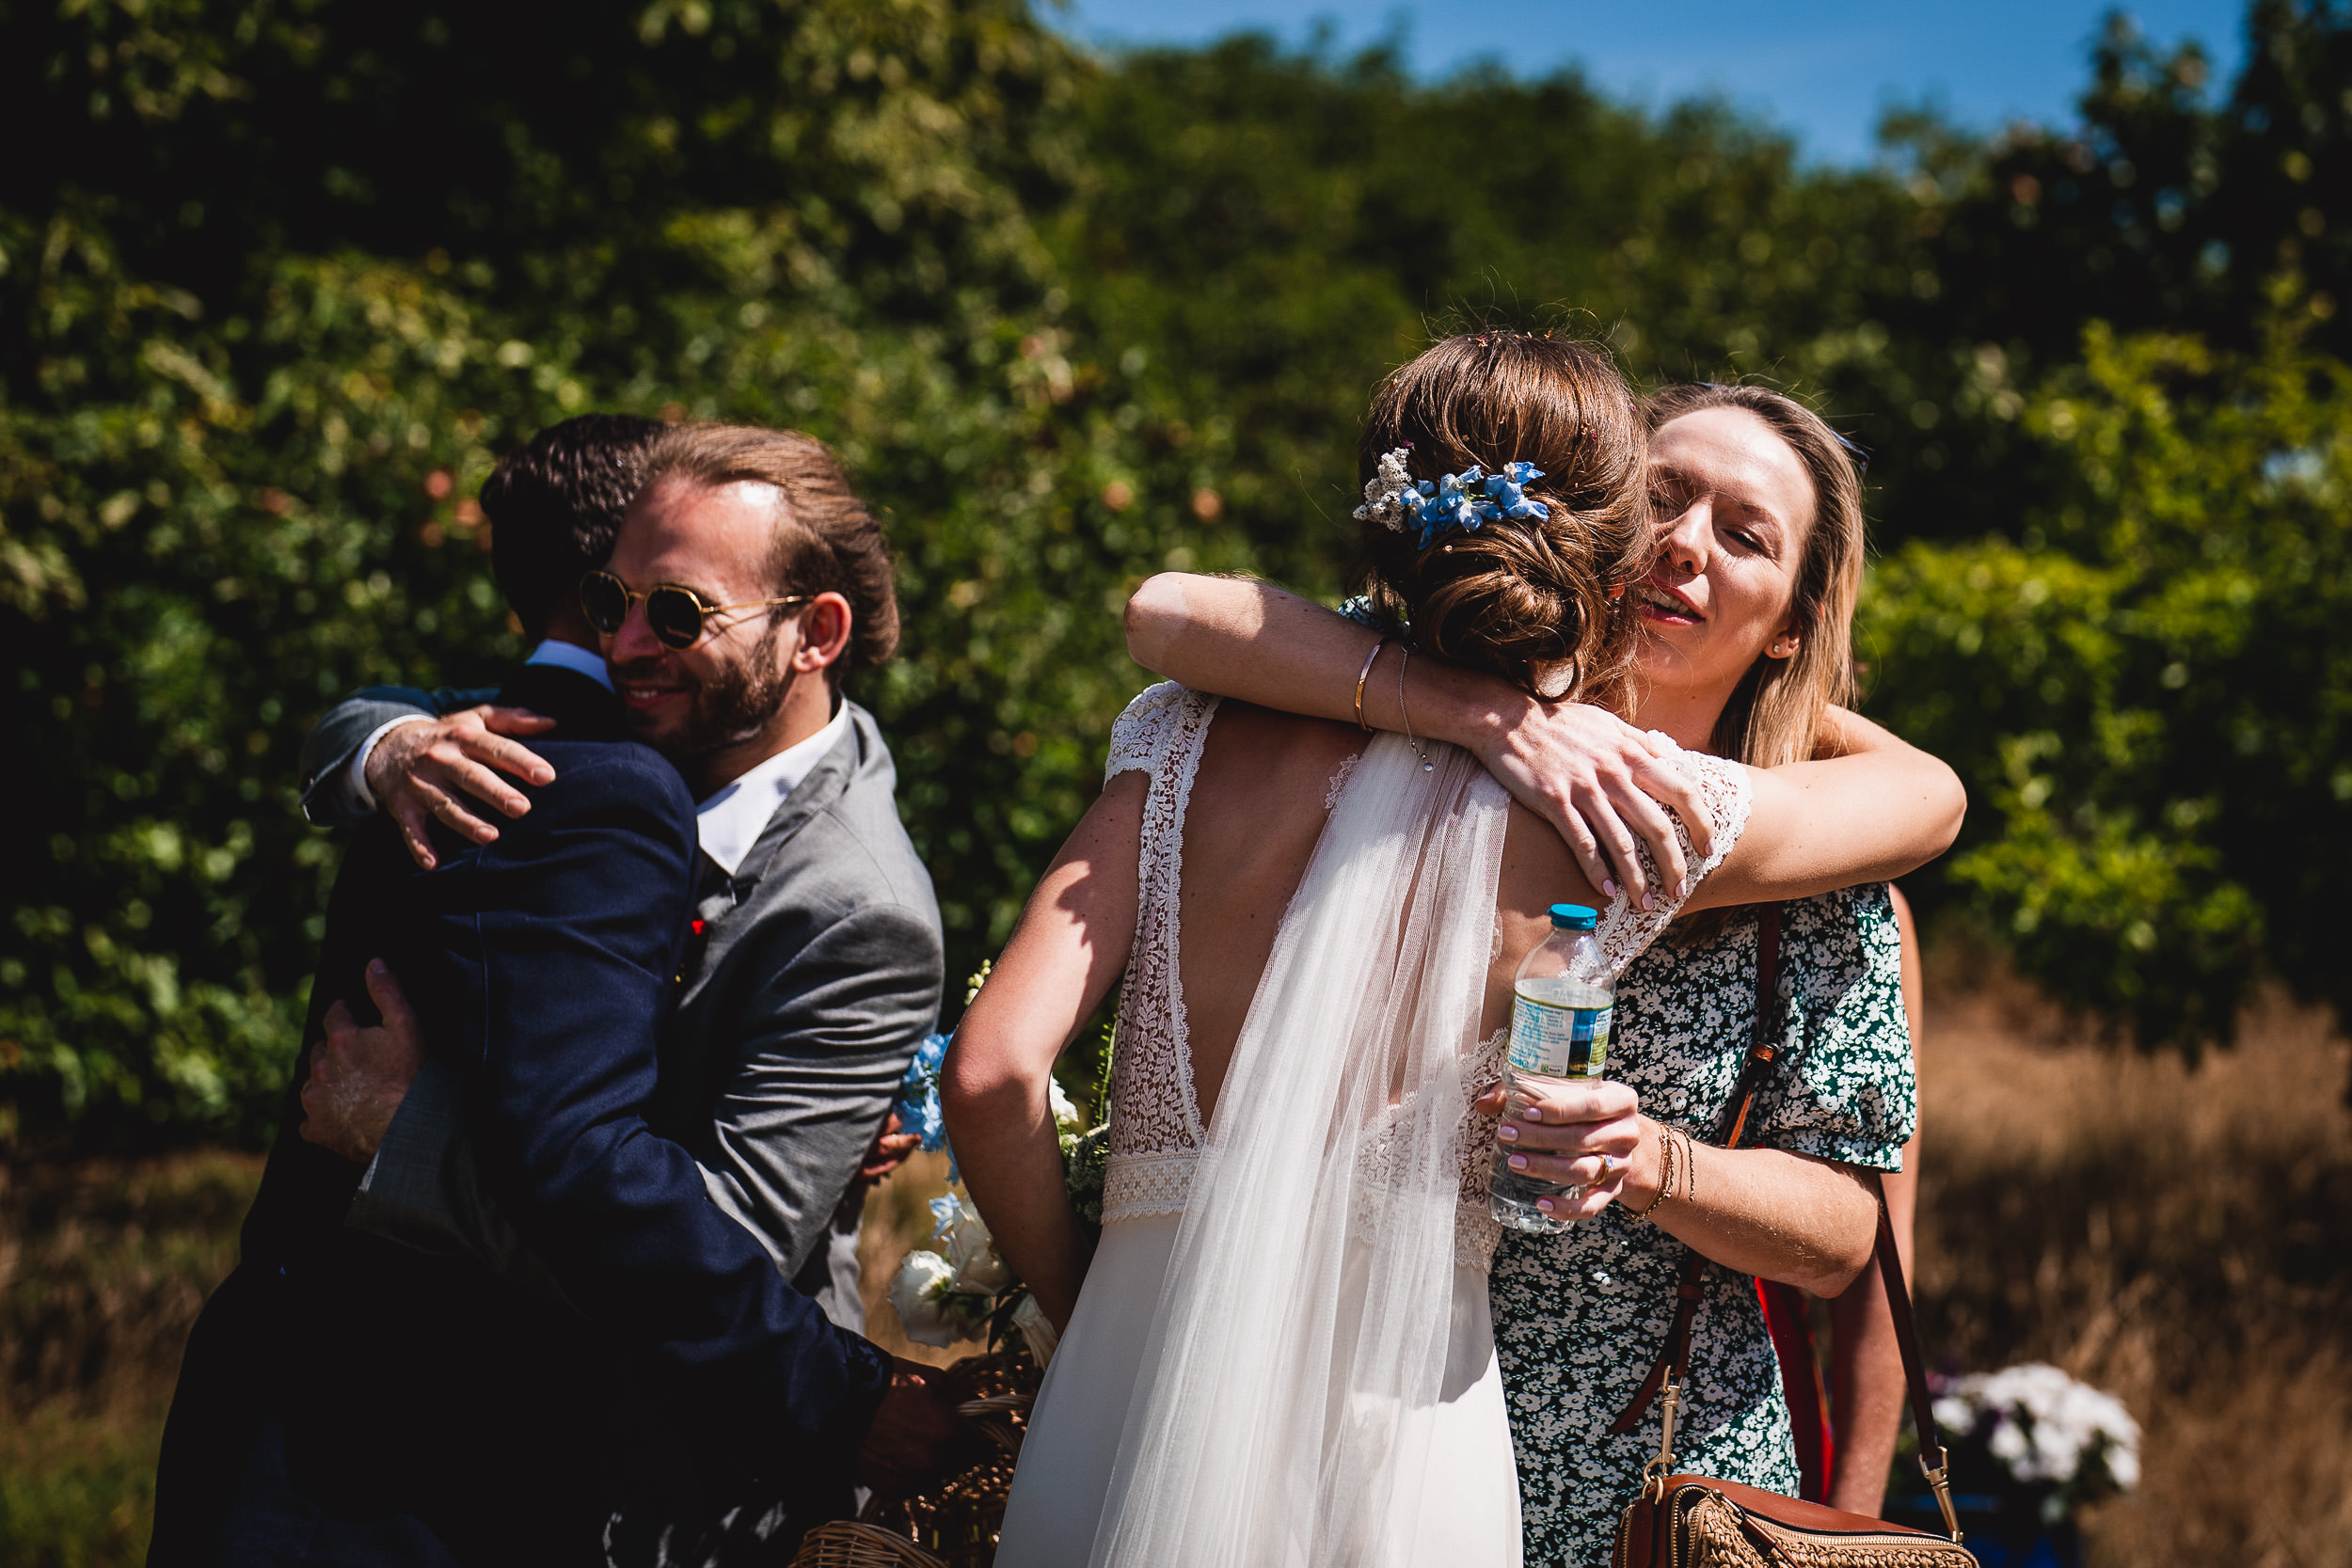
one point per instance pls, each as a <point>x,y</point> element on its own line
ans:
<point>812,966</point>
<point>739,688</point>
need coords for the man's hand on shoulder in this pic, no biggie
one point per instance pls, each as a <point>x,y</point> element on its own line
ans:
<point>359,1076</point>
<point>917,1435</point>
<point>417,771</point>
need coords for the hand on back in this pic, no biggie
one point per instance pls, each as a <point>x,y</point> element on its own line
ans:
<point>419,770</point>
<point>892,1147</point>
<point>359,1075</point>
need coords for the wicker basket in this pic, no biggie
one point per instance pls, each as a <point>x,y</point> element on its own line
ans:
<point>957,1519</point>
<point>845,1544</point>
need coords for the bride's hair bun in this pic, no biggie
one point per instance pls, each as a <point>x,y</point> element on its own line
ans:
<point>1528,599</point>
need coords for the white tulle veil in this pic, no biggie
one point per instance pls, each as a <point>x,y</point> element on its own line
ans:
<point>1304,1329</point>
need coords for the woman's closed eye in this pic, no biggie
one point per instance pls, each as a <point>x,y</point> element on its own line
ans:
<point>1754,538</point>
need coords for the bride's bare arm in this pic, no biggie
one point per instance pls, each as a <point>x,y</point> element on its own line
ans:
<point>1583,770</point>
<point>1876,808</point>
<point>1066,953</point>
<point>1791,1217</point>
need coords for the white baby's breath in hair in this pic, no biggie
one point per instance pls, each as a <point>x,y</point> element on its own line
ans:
<point>1389,494</point>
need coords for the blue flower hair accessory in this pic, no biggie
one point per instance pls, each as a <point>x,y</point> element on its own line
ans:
<point>1467,501</point>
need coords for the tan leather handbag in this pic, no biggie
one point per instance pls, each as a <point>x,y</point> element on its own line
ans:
<point>1687,1521</point>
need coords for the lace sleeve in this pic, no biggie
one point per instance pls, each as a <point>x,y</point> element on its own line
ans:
<point>1139,735</point>
<point>1626,931</point>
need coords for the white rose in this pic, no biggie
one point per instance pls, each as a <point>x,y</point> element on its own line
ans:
<point>917,1293</point>
<point>971,1250</point>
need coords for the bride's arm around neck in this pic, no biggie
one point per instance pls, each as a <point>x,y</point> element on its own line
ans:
<point>1066,953</point>
<point>1872,807</point>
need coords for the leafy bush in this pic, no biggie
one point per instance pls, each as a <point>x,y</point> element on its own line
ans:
<point>245,408</point>
<point>291,273</point>
<point>2150,694</point>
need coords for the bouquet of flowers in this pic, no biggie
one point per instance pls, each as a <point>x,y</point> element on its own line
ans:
<point>2040,1437</point>
<point>960,1287</point>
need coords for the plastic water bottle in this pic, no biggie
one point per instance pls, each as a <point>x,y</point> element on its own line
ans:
<point>1563,1001</point>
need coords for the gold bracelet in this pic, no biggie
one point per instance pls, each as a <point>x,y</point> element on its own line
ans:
<point>1690,1171</point>
<point>1665,1171</point>
<point>1362,675</point>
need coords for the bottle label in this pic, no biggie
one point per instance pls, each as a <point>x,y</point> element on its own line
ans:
<point>1557,1041</point>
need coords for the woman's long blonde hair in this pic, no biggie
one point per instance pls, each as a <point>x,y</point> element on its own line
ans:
<point>1774,714</point>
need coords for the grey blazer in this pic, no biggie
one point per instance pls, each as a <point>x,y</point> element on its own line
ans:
<point>819,973</point>
<point>816,975</point>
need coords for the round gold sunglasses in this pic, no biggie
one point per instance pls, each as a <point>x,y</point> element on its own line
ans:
<point>677,615</point>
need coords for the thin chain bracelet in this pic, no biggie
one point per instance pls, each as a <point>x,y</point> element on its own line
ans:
<point>1665,1172</point>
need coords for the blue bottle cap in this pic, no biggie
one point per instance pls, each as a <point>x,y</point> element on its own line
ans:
<point>1573,917</point>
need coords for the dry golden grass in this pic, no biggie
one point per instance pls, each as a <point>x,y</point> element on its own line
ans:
<point>2180,1236</point>
<point>103,1269</point>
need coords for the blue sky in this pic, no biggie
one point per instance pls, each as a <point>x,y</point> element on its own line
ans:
<point>1823,69</point>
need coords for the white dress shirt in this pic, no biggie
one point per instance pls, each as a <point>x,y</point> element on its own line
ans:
<point>731,820</point>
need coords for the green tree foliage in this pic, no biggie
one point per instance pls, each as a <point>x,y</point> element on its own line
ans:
<point>289,273</point>
<point>300,272</point>
<point>1282,229</point>
<point>2160,210</point>
<point>2150,693</point>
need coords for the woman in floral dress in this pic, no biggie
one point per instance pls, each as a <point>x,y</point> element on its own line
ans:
<point>1748,612</point>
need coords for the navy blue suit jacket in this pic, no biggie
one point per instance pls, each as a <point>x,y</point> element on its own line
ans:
<point>346,1399</point>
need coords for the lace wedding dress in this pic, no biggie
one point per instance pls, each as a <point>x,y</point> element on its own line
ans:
<point>1283,1353</point>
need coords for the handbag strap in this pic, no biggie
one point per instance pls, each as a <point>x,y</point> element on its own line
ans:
<point>1932,1462</point>
<point>1672,1361</point>
<point>1763,1050</point>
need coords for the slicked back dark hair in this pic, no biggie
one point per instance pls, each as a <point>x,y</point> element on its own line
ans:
<point>555,504</point>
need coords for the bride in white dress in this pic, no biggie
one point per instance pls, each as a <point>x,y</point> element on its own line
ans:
<point>1279,1351</point>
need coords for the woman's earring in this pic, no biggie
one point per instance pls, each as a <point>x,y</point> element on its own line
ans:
<point>1783,647</point>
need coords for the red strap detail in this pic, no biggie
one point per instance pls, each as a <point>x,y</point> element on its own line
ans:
<point>1785,1317</point>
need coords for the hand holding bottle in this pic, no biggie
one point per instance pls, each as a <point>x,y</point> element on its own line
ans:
<point>1564,1001</point>
<point>1578,1134</point>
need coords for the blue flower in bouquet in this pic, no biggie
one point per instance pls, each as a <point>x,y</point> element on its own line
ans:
<point>919,1107</point>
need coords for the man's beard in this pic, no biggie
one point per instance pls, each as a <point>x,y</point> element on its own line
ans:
<point>733,705</point>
